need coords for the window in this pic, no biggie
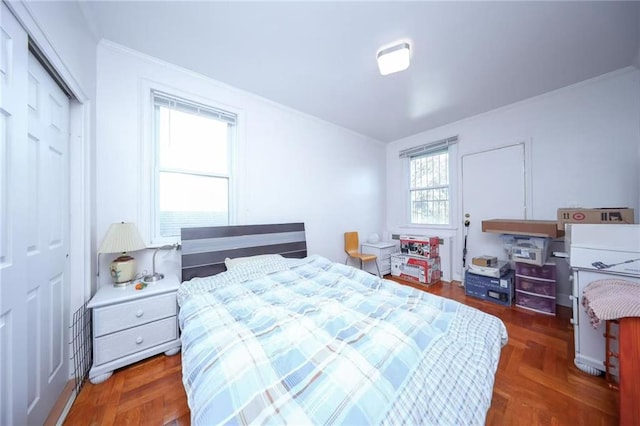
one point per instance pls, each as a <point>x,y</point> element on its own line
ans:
<point>429,183</point>
<point>429,189</point>
<point>191,173</point>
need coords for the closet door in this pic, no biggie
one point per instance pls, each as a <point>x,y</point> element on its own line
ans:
<point>13,221</point>
<point>34,230</point>
<point>47,243</point>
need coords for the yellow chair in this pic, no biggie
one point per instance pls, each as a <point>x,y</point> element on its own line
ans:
<point>352,247</point>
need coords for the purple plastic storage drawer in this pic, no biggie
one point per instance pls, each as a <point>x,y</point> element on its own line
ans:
<point>545,272</point>
<point>541,304</point>
<point>544,288</point>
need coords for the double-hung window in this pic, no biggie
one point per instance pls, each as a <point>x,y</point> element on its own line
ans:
<point>192,165</point>
<point>430,183</point>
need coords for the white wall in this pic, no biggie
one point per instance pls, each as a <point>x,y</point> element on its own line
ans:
<point>66,30</point>
<point>291,167</point>
<point>584,151</point>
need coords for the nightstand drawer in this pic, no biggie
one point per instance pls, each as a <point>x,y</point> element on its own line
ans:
<point>118,345</point>
<point>386,253</point>
<point>118,317</point>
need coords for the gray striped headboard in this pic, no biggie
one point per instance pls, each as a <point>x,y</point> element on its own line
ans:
<point>205,249</point>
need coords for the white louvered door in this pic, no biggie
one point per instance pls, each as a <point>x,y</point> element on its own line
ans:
<point>34,242</point>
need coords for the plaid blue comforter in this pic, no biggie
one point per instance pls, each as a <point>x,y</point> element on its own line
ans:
<point>316,342</point>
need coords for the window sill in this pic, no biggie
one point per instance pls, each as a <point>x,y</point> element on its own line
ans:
<point>160,242</point>
<point>421,226</point>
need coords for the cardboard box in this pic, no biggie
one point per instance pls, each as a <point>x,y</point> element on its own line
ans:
<point>485,261</point>
<point>416,268</point>
<point>534,228</point>
<point>491,271</point>
<point>497,290</point>
<point>420,245</point>
<point>605,215</point>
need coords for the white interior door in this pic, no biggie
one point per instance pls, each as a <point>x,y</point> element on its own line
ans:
<point>47,243</point>
<point>34,230</point>
<point>13,223</point>
<point>493,187</point>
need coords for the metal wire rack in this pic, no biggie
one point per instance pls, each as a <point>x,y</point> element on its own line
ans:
<point>82,346</point>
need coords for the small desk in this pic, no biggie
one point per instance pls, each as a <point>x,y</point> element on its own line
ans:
<point>383,251</point>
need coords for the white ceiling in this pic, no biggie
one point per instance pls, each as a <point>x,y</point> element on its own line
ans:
<point>319,57</point>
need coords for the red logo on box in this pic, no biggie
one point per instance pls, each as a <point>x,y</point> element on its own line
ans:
<point>579,216</point>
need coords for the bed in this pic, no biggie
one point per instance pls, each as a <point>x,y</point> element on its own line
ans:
<point>284,338</point>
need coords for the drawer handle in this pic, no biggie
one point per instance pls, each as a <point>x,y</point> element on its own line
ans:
<point>139,313</point>
<point>139,340</point>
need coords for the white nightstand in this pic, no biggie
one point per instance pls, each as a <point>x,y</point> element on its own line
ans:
<point>130,325</point>
<point>383,250</point>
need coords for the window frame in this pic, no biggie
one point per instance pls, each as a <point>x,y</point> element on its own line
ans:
<point>452,148</point>
<point>434,187</point>
<point>148,208</point>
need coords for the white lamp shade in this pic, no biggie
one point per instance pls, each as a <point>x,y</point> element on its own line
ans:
<point>393,59</point>
<point>120,238</point>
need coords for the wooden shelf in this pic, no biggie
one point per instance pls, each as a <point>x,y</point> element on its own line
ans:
<point>534,228</point>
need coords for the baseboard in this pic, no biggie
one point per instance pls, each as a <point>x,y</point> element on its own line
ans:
<point>62,406</point>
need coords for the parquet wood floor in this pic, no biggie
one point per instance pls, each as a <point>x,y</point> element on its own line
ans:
<point>536,382</point>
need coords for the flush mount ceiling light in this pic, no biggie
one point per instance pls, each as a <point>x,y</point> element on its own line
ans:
<point>393,59</point>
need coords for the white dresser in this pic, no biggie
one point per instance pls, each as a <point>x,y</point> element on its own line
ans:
<point>383,250</point>
<point>599,252</point>
<point>130,325</point>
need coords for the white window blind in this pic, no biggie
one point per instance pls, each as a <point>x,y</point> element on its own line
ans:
<point>192,164</point>
<point>428,148</point>
<point>186,106</point>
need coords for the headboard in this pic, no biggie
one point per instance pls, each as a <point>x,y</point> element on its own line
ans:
<point>205,249</point>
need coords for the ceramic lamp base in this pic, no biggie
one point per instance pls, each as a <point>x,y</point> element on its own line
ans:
<point>123,270</point>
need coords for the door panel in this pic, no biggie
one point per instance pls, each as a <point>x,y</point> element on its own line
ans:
<point>13,224</point>
<point>47,275</point>
<point>33,195</point>
<point>34,229</point>
<point>34,348</point>
<point>493,187</point>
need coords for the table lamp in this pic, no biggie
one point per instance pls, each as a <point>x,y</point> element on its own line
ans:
<point>122,238</point>
<point>157,276</point>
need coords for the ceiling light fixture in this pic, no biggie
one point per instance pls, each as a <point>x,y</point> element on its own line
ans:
<point>395,58</point>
